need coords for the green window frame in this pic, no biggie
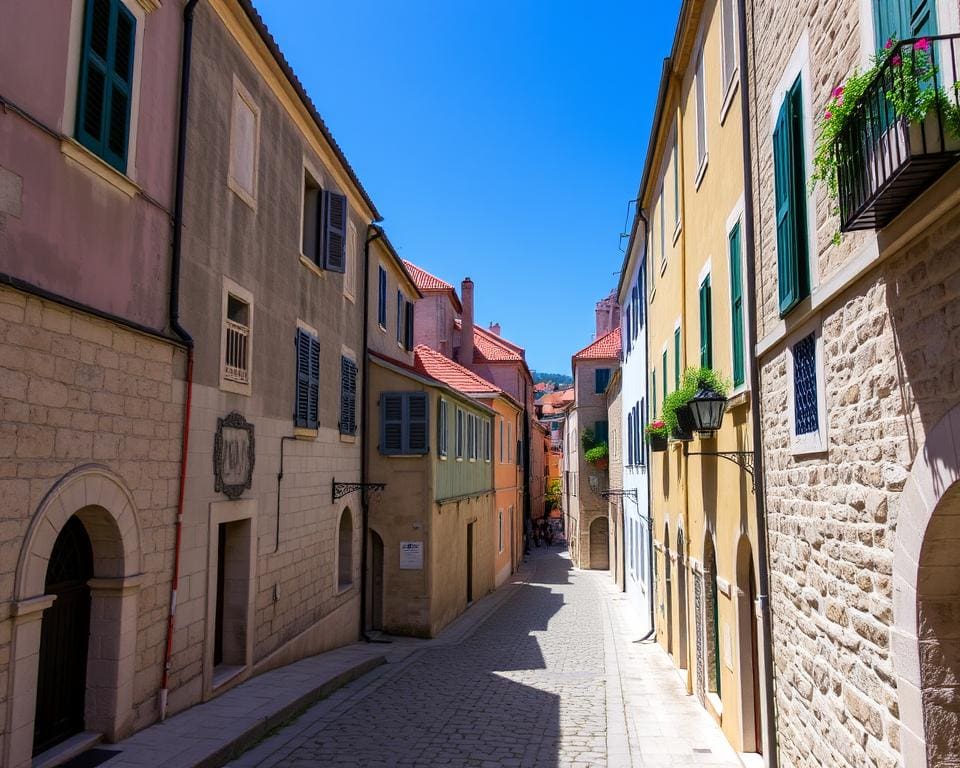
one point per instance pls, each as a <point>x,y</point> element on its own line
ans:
<point>665,369</point>
<point>790,194</point>
<point>736,305</point>
<point>105,88</point>
<point>653,388</point>
<point>903,19</point>
<point>676,358</point>
<point>706,325</point>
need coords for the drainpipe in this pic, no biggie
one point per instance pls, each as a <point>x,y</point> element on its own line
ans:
<point>763,576</point>
<point>373,233</point>
<point>180,331</point>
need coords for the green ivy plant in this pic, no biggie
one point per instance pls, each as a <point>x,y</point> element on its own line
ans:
<point>911,97</point>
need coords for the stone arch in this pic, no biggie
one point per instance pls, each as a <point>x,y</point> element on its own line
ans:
<point>929,510</point>
<point>748,646</point>
<point>106,508</point>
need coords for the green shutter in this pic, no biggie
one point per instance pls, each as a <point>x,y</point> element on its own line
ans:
<point>676,358</point>
<point>105,90</point>
<point>903,19</point>
<point>665,378</point>
<point>601,431</point>
<point>736,306</point>
<point>799,190</point>
<point>706,329</point>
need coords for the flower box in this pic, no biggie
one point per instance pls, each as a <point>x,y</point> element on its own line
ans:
<point>658,444</point>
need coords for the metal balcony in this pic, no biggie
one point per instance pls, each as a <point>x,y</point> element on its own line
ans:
<point>887,161</point>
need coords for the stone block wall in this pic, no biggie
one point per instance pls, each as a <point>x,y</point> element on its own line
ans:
<point>76,390</point>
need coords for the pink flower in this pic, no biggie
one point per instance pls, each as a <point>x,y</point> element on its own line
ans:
<point>896,60</point>
<point>889,44</point>
<point>827,115</point>
<point>922,44</point>
<point>838,92</point>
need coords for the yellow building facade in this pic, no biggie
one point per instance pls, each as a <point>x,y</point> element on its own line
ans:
<point>703,506</point>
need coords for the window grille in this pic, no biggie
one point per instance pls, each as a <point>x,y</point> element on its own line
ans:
<point>805,385</point>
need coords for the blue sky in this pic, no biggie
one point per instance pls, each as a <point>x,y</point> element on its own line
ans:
<point>500,140</point>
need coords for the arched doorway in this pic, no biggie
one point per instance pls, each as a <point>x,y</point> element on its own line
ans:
<point>345,551</point>
<point>747,635</point>
<point>376,581</point>
<point>600,544</point>
<point>668,586</point>
<point>682,646</point>
<point>64,639</point>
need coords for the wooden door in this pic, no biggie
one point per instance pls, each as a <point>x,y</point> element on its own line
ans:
<point>64,638</point>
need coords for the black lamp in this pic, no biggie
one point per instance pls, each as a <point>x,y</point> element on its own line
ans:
<point>706,408</point>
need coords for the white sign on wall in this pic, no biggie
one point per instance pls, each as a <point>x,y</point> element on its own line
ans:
<point>411,555</point>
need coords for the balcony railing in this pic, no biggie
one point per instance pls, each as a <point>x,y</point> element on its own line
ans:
<point>886,160</point>
<point>235,360</point>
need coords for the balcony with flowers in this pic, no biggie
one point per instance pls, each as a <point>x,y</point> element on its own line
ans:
<point>890,132</point>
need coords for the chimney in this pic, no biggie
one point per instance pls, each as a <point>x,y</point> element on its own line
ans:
<point>495,328</point>
<point>465,356</point>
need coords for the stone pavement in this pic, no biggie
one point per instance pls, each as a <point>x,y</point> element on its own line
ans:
<point>544,673</point>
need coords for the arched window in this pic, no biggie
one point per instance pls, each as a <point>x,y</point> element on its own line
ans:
<point>345,551</point>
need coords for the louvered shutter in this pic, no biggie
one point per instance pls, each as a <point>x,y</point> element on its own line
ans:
<point>334,231</point>
<point>313,377</point>
<point>706,330</point>
<point>391,422</point>
<point>409,321</point>
<point>382,297</point>
<point>417,422</point>
<point>799,203</point>
<point>736,306</point>
<point>783,197</point>
<point>676,358</point>
<point>302,400</point>
<point>106,79</point>
<point>348,396</point>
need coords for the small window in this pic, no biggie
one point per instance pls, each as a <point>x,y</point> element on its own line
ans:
<point>404,424</point>
<point>236,351</point>
<point>601,431</point>
<point>706,325</point>
<point>601,380</point>
<point>509,443</point>
<point>382,298</point>
<point>348,396</point>
<point>408,325</point>
<point>306,408</point>
<point>728,22</point>
<point>471,437</point>
<point>736,306</point>
<point>442,427</point>
<point>665,376</point>
<point>806,417</point>
<point>701,117</point>
<point>676,358</point>
<point>459,433</point>
<point>105,91</point>
<point>487,447</point>
<point>501,440</point>
<point>312,222</point>
<point>244,146</point>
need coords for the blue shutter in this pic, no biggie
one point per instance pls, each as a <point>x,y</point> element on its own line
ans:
<point>382,297</point>
<point>348,396</point>
<point>334,231</point>
<point>391,422</point>
<point>630,438</point>
<point>408,337</point>
<point>416,422</point>
<point>302,400</point>
<point>104,94</point>
<point>313,403</point>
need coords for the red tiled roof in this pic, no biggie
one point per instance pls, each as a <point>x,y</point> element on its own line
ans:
<point>424,280</point>
<point>605,348</point>
<point>442,368</point>
<point>488,347</point>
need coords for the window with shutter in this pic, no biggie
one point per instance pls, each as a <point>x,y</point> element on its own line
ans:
<point>706,325</point>
<point>736,306</point>
<point>382,298</point>
<point>790,200</point>
<point>408,336</point>
<point>306,413</point>
<point>348,396</point>
<point>501,440</point>
<point>335,217</point>
<point>701,117</point>
<point>601,378</point>
<point>676,358</point>
<point>487,447</point>
<point>404,423</point>
<point>630,438</point>
<point>601,430</point>
<point>311,229</point>
<point>105,91</point>
<point>391,422</point>
<point>903,19</point>
<point>400,323</point>
<point>417,422</point>
<point>653,387</point>
<point>459,435</point>
<point>441,427</point>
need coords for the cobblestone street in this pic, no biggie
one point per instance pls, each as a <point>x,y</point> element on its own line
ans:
<point>537,683</point>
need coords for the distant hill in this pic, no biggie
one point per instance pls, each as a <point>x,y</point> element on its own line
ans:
<point>560,379</point>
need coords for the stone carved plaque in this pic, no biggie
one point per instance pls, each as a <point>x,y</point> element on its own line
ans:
<point>701,658</point>
<point>233,456</point>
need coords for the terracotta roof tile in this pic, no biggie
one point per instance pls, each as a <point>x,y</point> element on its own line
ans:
<point>442,368</point>
<point>605,348</point>
<point>488,347</point>
<point>424,280</point>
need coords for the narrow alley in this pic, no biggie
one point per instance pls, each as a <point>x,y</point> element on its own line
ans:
<point>552,677</point>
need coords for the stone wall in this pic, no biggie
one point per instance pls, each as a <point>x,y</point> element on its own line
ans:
<point>76,390</point>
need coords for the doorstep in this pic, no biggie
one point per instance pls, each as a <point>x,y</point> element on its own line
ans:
<point>210,734</point>
<point>67,750</point>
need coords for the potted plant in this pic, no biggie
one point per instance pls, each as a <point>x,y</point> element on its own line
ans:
<point>599,456</point>
<point>657,433</point>
<point>676,411</point>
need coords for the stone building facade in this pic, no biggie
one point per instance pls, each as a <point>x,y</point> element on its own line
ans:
<point>91,380</point>
<point>858,376</point>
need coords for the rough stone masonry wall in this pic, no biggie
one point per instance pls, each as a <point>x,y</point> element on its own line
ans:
<point>77,390</point>
<point>892,351</point>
